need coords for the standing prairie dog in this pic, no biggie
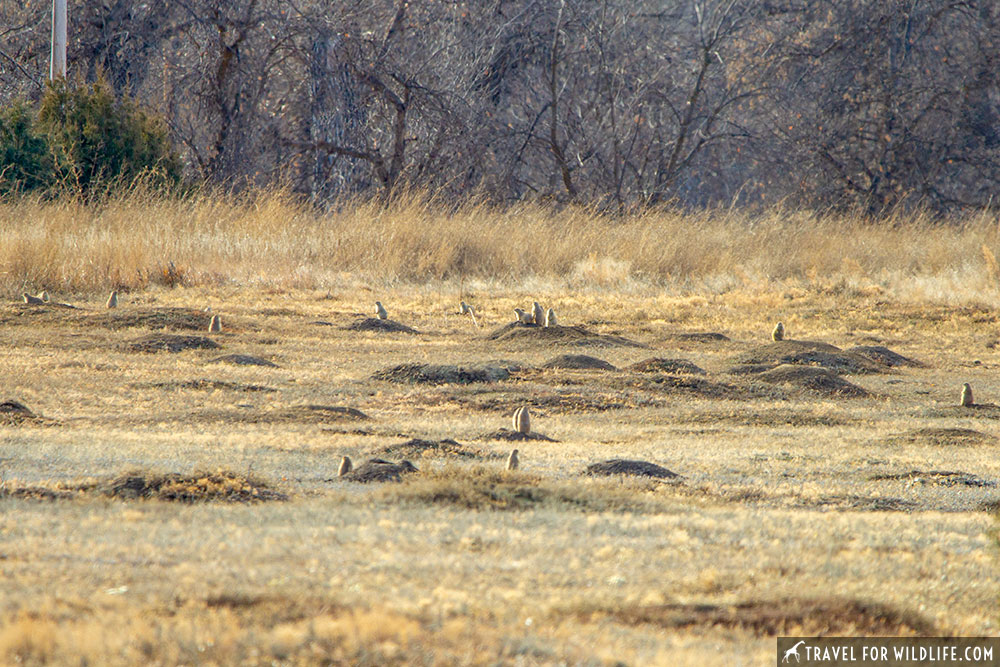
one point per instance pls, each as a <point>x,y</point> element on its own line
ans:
<point>113,299</point>
<point>522,317</point>
<point>779,332</point>
<point>550,318</point>
<point>967,395</point>
<point>345,466</point>
<point>215,326</point>
<point>537,314</point>
<point>380,311</point>
<point>512,461</point>
<point>522,420</point>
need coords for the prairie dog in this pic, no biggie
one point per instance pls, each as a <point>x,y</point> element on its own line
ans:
<point>380,311</point>
<point>465,308</point>
<point>522,317</point>
<point>345,466</point>
<point>967,395</point>
<point>113,299</point>
<point>44,296</point>
<point>550,318</point>
<point>32,300</point>
<point>537,314</point>
<point>215,325</point>
<point>512,461</point>
<point>779,332</point>
<point>522,420</point>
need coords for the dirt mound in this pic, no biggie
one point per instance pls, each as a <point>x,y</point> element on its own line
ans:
<point>700,337</point>
<point>170,343</point>
<point>218,486</point>
<point>518,332</point>
<point>242,360</point>
<point>883,355</point>
<point>578,362</point>
<point>205,385</point>
<point>946,436</point>
<point>819,380</point>
<point>443,373</point>
<point>661,365</point>
<point>417,448</point>
<point>979,411</point>
<point>516,436</point>
<point>936,478</point>
<point>375,324</point>
<point>805,353</point>
<point>626,467</point>
<point>170,319</point>
<point>788,617</point>
<point>380,470</point>
<point>695,386</point>
<point>13,412</point>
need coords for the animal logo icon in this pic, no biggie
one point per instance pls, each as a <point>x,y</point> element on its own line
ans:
<point>793,651</point>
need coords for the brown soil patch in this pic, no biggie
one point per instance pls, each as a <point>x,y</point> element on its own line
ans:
<point>801,617</point>
<point>805,353</point>
<point>516,436</point>
<point>561,400</point>
<point>946,436</point>
<point>937,478</point>
<point>170,343</point>
<point>518,332</point>
<point>699,337</point>
<point>669,366</point>
<point>443,373</point>
<point>242,360</point>
<point>380,470</point>
<point>627,467</point>
<point>216,486</point>
<point>12,314</point>
<point>883,355</point>
<point>819,380</point>
<point>205,385</point>
<point>417,448</point>
<point>384,326</point>
<point>578,362</point>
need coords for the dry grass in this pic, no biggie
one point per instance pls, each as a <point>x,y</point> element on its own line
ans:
<point>794,510</point>
<point>271,239</point>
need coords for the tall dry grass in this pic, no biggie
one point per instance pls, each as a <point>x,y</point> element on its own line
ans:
<point>273,239</point>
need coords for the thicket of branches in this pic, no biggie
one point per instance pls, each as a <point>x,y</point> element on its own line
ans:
<point>869,104</point>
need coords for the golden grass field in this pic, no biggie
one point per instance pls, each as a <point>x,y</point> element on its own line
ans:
<point>798,509</point>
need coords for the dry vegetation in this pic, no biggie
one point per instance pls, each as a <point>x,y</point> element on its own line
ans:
<point>133,521</point>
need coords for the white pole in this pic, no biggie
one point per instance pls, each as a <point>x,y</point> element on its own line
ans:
<point>58,66</point>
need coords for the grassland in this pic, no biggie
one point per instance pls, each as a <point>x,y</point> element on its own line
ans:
<point>798,509</point>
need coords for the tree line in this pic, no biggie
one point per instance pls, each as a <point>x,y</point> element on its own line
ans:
<point>861,104</point>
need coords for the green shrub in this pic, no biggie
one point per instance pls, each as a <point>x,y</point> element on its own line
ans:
<point>101,140</point>
<point>86,139</point>
<point>25,160</point>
